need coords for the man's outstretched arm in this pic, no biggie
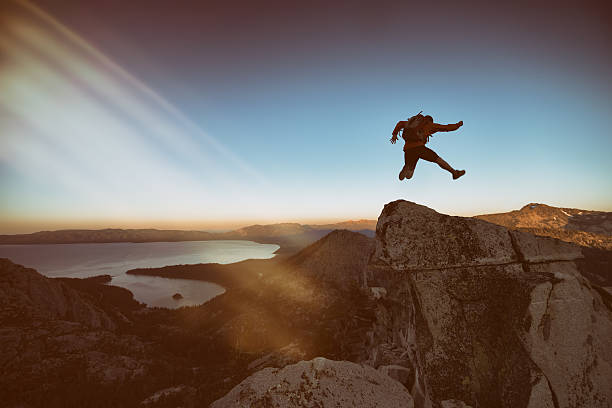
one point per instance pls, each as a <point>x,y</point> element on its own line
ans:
<point>446,128</point>
<point>400,125</point>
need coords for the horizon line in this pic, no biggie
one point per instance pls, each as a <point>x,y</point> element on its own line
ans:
<point>26,226</point>
<point>231,226</point>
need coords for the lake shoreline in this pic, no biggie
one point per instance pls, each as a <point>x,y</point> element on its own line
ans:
<point>229,276</point>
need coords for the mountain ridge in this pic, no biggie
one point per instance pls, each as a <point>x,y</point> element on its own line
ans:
<point>542,216</point>
<point>255,231</point>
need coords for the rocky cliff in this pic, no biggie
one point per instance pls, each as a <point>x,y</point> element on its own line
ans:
<point>487,315</point>
<point>462,313</point>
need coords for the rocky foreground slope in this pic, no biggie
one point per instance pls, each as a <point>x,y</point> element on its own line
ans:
<point>66,342</point>
<point>468,312</point>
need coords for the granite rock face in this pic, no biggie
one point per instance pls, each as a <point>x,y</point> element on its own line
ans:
<point>485,315</point>
<point>412,236</point>
<point>318,383</point>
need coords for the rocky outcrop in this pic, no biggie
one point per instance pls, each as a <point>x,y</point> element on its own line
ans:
<point>414,237</point>
<point>318,383</point>
<point>486,315</point>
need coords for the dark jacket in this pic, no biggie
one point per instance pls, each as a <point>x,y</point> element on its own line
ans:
<point>423,132</point>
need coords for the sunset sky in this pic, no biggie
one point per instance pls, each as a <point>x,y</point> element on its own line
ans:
<point>213,115</point>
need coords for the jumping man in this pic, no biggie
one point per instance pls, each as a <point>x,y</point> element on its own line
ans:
<point>416,132</point>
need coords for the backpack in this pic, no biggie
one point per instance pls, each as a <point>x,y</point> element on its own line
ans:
<point>412,130</point>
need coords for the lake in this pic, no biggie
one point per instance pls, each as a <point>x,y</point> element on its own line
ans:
<point>84,260</point>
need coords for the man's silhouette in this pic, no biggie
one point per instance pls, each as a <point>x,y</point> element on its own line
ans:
<point>416,132</point>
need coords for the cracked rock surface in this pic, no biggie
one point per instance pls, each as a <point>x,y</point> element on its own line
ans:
<point>487,316</point>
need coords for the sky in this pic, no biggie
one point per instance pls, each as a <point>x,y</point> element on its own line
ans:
<point>214,115</point>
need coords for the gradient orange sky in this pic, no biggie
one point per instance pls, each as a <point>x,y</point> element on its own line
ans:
<point>205,116</point>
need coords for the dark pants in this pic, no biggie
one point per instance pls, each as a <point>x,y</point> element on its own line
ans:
<point>412,156</point>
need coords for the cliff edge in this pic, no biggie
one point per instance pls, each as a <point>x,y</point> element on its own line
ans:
<point>486,315</point>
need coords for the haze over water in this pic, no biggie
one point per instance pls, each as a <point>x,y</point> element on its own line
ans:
<point>85,260</point>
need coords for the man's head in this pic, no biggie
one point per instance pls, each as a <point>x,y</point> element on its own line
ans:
<point>427,119</point>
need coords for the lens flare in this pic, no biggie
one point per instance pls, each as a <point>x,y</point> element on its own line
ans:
<point>82,136</point>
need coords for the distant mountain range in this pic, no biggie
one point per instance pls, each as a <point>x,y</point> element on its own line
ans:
<point>289,235</point>
<point>536,215</point>
<point>583,227</point>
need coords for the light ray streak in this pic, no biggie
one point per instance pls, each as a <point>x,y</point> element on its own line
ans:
<point>77,125</point>
<point>115,68</point>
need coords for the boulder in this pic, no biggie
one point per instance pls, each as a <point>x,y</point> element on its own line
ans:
<point>318,383</point>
